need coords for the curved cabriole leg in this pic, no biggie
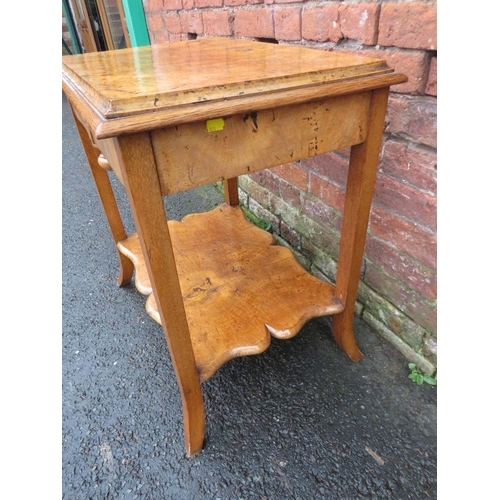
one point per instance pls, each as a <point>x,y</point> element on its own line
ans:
<point>363,165</point>
<point>137,164</point>
<point>108,201</point>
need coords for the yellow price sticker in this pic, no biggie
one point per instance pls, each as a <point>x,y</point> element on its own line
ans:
<point>215,124</point>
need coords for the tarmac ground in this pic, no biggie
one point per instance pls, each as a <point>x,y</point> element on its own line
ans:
<point>300,421</point>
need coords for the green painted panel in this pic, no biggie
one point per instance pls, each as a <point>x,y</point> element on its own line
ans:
<point>71,28</point>
<point>136,22</point>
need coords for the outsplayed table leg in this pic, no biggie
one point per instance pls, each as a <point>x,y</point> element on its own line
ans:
<point>359,192</point>
<point>140,176</point>
<point>108,201</point>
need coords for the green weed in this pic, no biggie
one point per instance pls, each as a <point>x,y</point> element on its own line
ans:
<point>418,377</point>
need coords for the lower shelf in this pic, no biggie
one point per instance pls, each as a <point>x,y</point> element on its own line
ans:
<point>238,286</point>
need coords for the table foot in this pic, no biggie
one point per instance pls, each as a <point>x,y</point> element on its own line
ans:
<point>126,271</point>
<point>193,410</point>
<point>344,335</point>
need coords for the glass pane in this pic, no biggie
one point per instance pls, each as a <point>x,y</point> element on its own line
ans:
<point>96,25</point>
<point>115,23</point>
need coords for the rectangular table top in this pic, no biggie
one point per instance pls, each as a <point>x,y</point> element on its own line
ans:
<point>196,76</point>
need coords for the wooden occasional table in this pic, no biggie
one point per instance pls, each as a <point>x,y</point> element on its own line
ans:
<point>168,118</point>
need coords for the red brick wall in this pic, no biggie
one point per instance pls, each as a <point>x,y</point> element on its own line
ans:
<point>303,200</point>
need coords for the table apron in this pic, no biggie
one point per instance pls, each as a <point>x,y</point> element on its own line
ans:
<point>198,153</point>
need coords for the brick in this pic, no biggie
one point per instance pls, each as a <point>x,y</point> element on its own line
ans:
<point>411,64</point>
<point>323,214</point>
<point>191,22</point>
<point>264,214</point>
<point>413,118</point>
<point>323,262</point>
<point>402,267</point>
<point>429,349</point>
<point>410,164</point>
<point>359,22</point>
<point>405,201</point>
<point>292,173</point>
<point>329,165</point>
<point>161,37</point>
<point>287,24</point>
<point>243,196</point>
<point>216,23</point>
<point>172,22</point>
<point>155,22</point>
<point>431,87</point>
<point>188,4</point>
<point>290,194</point>
<point>255,176</point>
<point>334,22</point>
<point>152,6</point>
<point>421,311</point>
<point>328,193</point>
<point>256,23</point>
<point>200,4</point>
<point>177,37</point>
<point>256,191</point>
<point>410,25</point>
<point>168,4</point>
<point>290,235</point>
<point>412,337</point>
<point>344,152</point>
<point>268,180</point>
<point>233,3</point>
<point>387,315</point>
<point>407,237</point>
<point>318,24</point>
<point>287,1</point>
<point>290,215</point>
<point>322,241</point>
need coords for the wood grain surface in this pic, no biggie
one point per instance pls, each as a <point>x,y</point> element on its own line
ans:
<point>190,155</point>
<point>171,117</point>
<point>132,90</point>
<point>238,286</point>
<point>146,79</point>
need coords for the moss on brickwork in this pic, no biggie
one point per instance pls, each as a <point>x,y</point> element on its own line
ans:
<point>324,263</point>
<point>318,253</point>
<point>253,218</point>
<point>391,317</point>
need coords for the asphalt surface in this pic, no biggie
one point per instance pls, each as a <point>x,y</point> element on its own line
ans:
<point>300,421</point>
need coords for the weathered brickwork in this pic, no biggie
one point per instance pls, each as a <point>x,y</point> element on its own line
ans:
<point>303,200</point>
